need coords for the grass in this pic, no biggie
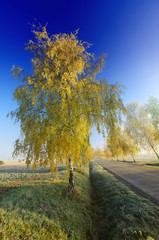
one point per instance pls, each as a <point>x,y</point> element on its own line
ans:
<point>9,174</point>
<point>41,208</point>
<point>121,214</point>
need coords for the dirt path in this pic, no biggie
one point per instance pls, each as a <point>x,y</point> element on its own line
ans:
<point>142,178</point>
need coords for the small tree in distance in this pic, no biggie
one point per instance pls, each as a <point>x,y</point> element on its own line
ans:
<point>61,100</point>
<point>98,152</point>
<point>107,152</point>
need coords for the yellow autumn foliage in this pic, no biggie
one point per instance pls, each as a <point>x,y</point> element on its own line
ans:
<point>61,100</point>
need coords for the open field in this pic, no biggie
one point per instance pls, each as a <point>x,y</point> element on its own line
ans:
<point>13,163</point>
<point>39,206</point>
<point>13,174</point>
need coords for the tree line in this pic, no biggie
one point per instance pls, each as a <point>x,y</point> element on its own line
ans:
<point>138,131</point>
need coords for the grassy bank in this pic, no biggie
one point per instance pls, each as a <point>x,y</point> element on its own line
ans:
<point>121,214</point>
<point>42,209</point>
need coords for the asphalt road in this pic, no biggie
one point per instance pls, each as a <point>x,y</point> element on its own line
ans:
<point>143,179</point>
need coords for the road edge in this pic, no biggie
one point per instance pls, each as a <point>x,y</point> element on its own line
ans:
<point>132,187</point>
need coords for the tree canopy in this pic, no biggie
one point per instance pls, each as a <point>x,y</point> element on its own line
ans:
<point>61,100</point>
<point>152,107</point>
<point>121,144</point>
<point>139,127</point>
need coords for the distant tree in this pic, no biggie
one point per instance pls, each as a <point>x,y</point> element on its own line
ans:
<point>107,153</point>
<point>152,107</point>
<point>121,145</point>
<point>139,127</point>
<point>98,152</point>
<point>61,100</point>
<point>128,146</point>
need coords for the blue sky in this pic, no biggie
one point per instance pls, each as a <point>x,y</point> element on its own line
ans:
<point>127,30</point>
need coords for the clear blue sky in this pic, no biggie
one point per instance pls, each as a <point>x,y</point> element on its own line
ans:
<point>127,30</point>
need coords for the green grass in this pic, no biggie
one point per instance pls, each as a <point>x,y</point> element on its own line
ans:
<point>39,207</point>
<point>11,174</point>
<point>42,209</point>
<point>121,214</point>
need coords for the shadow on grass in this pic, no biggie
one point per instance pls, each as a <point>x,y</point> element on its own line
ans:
<point>7,188</point>
<point>125,161</point>
<point>152,164</point>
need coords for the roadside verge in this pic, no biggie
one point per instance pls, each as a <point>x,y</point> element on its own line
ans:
<point>121,214</point>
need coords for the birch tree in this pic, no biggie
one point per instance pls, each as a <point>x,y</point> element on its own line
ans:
<point>98,152</point>
<point>152,107</point>
<point>61,100</point>
<point>121,144</point>
<point>139,127</point>
<point>107,152</point>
